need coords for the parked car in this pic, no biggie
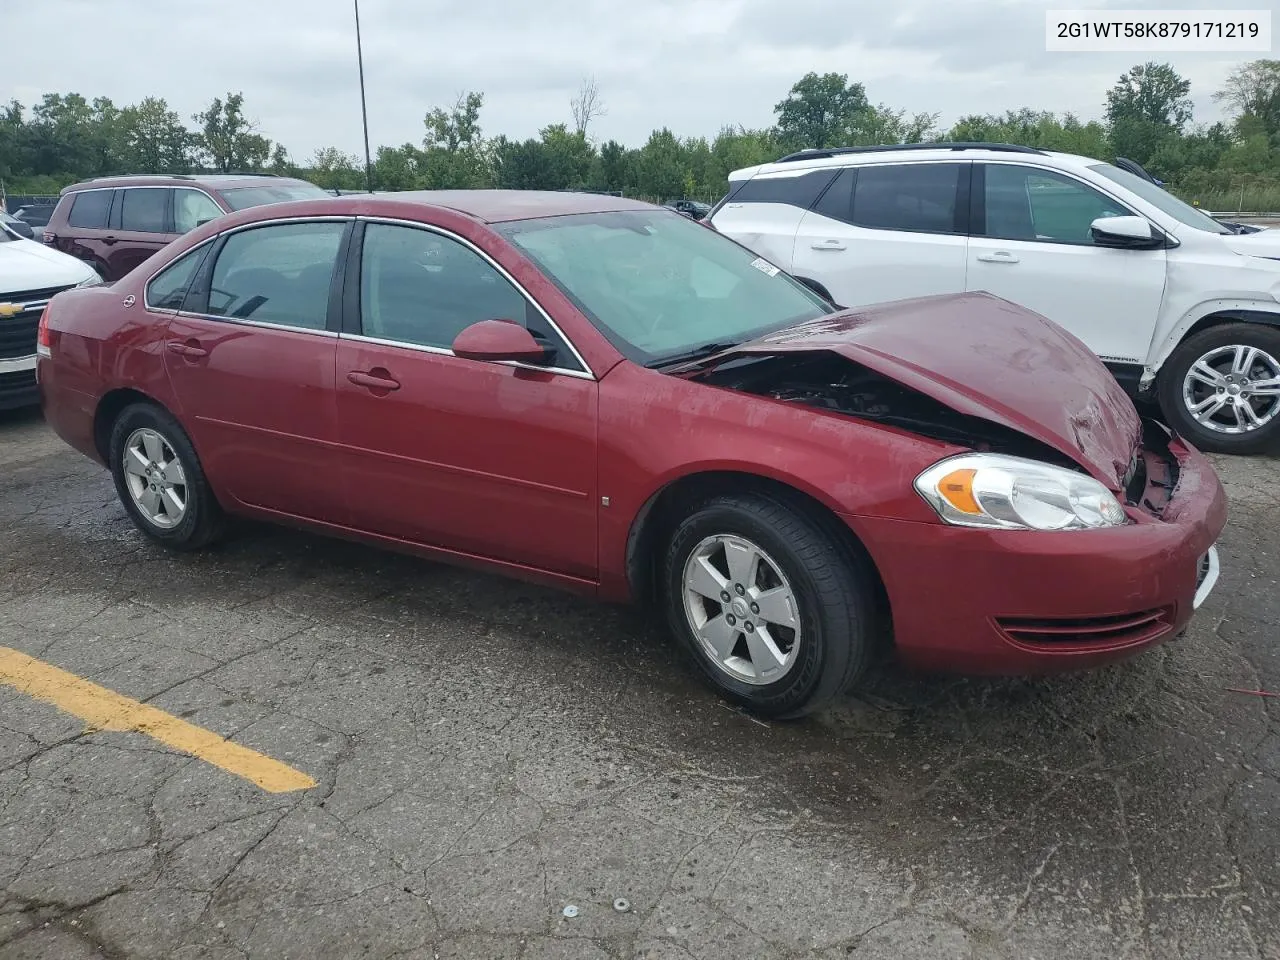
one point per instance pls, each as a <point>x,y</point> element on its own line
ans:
<point>29,275</point>
<point>1180,308</point>
<point>693,209</point>
<point>599,394</point>
<point>37,216</point>
<point>23,230</point>
<point>116,223</point>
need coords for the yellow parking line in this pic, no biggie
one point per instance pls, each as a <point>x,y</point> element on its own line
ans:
<point>105,709</point>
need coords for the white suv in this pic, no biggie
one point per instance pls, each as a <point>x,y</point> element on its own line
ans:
<point>1181,308</point>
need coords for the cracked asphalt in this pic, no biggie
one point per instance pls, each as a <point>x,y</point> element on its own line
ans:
<point>487,753</point>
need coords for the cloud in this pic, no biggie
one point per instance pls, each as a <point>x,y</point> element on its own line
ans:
<point>691,65</point>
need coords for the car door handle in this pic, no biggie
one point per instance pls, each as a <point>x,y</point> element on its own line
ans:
<point>187,348</point>
<point>1000,256</point>
<point>376,379</point>
<point>827,245</point>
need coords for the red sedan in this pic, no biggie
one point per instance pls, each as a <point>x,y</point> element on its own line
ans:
<point>602,395</point>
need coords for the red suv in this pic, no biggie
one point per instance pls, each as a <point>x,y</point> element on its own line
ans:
<point>115,223</point>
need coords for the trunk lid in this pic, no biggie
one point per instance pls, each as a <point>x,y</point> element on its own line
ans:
<point>987,358</point>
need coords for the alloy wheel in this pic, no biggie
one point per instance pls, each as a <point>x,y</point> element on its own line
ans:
<point>742,608</point>
<point>155,478</point>
<point>1233,389</point>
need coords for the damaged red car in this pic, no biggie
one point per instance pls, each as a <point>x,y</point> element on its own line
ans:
<point>602,395</point>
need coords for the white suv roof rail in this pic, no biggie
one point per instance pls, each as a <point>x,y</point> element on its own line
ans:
<point>818,153</point>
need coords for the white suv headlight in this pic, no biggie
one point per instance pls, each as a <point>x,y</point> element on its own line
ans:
<point>1009,493</point>
<point>92,281</point>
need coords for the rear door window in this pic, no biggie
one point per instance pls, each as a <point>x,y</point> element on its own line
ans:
<point>795,191</point>
<point>145,210</point>
<point>278,274</point>
<point>89,210</point>
<point>168,288</point>
<point>916,197</point>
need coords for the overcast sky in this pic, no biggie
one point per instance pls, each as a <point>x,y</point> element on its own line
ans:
<point>692,65</point>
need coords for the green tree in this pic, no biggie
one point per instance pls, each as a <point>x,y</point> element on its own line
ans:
<point>569,156</point>
<point>614,167</point>
<point>1153,92</point>
<point>153,139</point>
<point>521,164</point>
<point>455,154</point>
<point>884,125</point>
<point>399,168</point>
<point>62,136</point>
<point>820,111</point>
<point>1252,94</point>
<point>228,139</point>
<point>659,171</point>
<point>1147,107</point>
<point>333,169</point>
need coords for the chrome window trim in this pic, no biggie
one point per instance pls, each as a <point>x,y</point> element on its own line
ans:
<point>146,285</point>
<point>448,234</point>
<point>444,352</point>
<point>245,322</point>
<point>140,186</point>
<point>146,186</point>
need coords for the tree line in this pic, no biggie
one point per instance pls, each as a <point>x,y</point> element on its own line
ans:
<point>1147,117</point>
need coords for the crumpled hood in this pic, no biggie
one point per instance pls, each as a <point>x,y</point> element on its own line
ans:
<point>987,358</point>
<point>1264,243</point>
<point>27,265</point>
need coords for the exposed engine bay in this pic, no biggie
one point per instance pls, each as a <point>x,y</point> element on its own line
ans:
<point>827,381</point>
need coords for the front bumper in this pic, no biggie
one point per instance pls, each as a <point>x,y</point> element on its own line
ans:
<point>1026,602</point>
<point>18,383</point>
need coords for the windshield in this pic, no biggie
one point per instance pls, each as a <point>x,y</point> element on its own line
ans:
<point>659,285</point>
<point>240,198</point>
<point>1158,197</point>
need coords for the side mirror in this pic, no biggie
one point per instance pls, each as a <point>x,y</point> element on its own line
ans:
<point>1134,233</point>
<point>498,340</point>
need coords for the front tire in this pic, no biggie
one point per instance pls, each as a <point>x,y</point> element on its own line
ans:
<point>159,479</point>
<point>773,609</point>
<point>1221,388</point>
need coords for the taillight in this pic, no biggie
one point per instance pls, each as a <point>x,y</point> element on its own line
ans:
<point>44,340</point>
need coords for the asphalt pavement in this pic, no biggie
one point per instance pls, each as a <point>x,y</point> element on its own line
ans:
<point>432,763</point>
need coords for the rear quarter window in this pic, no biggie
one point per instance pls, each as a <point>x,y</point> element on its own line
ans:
<point>89,209</point>
<point>794,190</point>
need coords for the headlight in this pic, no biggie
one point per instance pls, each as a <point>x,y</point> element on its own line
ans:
<point>92,281</point>
<point>1010,493</point>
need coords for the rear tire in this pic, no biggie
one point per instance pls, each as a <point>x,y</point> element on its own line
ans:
<point>808,638</point>
<point>1205,369</point>
<point>159,479</point>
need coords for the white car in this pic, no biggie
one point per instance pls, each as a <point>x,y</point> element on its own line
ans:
<point>30,274</point>
<point>1182,309</point>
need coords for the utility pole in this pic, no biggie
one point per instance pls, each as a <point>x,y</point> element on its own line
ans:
<point>364,110</point>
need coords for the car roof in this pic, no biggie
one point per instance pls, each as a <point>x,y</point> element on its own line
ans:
<point>820,161</point>
<point>214,180</point>
<point>499,206</point>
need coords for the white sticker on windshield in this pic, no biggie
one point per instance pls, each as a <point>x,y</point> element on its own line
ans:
<point>764,266</point>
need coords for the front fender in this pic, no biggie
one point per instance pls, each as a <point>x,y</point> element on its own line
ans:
<point>1236,309</point>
